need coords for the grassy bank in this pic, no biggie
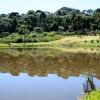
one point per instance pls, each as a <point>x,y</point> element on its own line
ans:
<point>95,95</point>
<point>50,41</point>
<point>30,38</point>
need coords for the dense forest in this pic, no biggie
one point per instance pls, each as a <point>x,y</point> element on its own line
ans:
<point>65,21</point>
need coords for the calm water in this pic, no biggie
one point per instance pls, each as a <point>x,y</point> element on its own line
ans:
<point>38,74</point>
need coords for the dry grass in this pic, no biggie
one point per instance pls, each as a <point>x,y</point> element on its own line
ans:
<point>67,41</point>
<point>70,39</point>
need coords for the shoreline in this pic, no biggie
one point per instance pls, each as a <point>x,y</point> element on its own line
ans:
<point>67,43</point>
<point>92,50</point>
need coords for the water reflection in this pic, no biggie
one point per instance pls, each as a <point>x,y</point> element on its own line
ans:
<point>41,62</point>
<point>24,87</point>
<point>56,74</point>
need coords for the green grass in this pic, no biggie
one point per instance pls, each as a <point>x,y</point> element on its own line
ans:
<point>49,40</point>
<point>89,43</point>
<point>95,95</point>
<point>32,37</point>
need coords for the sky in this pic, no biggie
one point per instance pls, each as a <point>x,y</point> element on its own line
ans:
<point>22,6</point>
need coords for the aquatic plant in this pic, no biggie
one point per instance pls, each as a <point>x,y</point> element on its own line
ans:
<point>94,95</point>
<point>88,85</point>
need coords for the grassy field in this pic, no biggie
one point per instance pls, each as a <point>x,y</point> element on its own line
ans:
<point>61,42</point>
<point>29,38</point>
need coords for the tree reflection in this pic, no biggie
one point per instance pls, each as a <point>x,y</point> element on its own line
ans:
<point>88,85</point>
<point>43,62</point>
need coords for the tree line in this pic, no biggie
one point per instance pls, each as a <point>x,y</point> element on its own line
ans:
<point>63,20</point>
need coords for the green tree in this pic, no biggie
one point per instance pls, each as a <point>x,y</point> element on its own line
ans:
<point>22,29</point>
<point>94,27</point>
<point>5,25</point>
<point>14,17</point>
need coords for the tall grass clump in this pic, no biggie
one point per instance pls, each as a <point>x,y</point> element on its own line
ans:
<point>92,41</point>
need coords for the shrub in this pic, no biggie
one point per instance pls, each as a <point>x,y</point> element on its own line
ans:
<point>97,49</point>
<point>3,34</point>
<point>92,49</point>
<point>92,41</point>
<point>52,34</point>
<point>61,29</point>
<point>38,29</point>
<point>45,34</point>
<point>97,41</point>
<point>34,35</point>
<point>35,40</point>
<point>19,40</point>
<point>28,40</point>
<point>85,41</point>
<point>23,29</point>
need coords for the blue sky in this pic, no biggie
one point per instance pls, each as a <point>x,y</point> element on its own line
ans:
<point>22,6</point>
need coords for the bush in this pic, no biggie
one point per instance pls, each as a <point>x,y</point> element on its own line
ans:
<point>85,41</point>
<point>61,29</point>
<point>3,34</point>
<point>34,35</point>
<point>23,29</point>
<point>97,41</point>
<point>48,34</point>
<point>19,40</point>
<point>38,29</point>
<point>45,34</point>
<point>35,40</point>
<point>92,41</point>
<point>28,40</point>
<point>52,34</point>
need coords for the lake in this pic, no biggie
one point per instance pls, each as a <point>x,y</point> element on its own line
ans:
<point>45,74</point>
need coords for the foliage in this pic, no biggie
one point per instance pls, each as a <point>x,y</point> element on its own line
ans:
<point>32,37</point>
<point>38,29</point>
<point>66,20</point>
<point>22,29</point>
<point>95,95</point>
